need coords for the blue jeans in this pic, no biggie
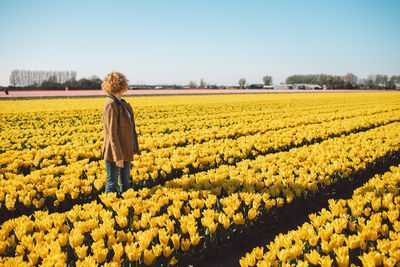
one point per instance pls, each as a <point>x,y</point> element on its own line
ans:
<point>113,173</point>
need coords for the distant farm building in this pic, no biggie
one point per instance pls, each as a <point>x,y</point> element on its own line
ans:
<point>298,86</point>
<point>307,87</point>
<point>255,86</point>
<point>283,86</point>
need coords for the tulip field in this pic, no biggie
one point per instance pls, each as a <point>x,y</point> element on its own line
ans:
<point>212,169</point>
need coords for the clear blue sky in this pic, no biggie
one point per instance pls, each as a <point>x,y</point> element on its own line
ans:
<point>177,41</point>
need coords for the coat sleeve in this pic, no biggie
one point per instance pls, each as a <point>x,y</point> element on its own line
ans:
<point>136,143</point>
<point>111,126</point>
<point>135,136</point>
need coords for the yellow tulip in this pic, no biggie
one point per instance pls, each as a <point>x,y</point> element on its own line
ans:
<point>384,230</point>
<point>238,218</point>
<point>99,252</point>
<point>252,213</point>
<point>342,256</point>
<point>195,239</point>
<point>170,226</point>
<point>352,226</point>
<point>378,257</point>
<point>60,195</point>
<point>98,234</point>
<point>167,251</point>
<point>243,262</point>
<point>363,245</point>
<point>296,250</point>
<point>367,259</point>
<point>393,215</point>
<point>313,257</point>
<point>144,240</point>
<point>258,252</point>
<point>283,255</point>
<point>250,260</point>
<point>176,241</point>
<point>325,246</point>
<point>157,250</point>
<point>325,261</point>
<point>76,238</point>
<point>389,261</point>
<point>176,213</point>
<point>148,257</point>
<point>212,227</point>
<point>353,242</point>
<point>118,251</point>
<point>121,221</point>
<point>185,244</point>
<point>133,251</point>
<point>33,258</point>
<point>163,237</point>
<point>370,234</point>
<point>19,250</point>
<point>81,251</point>
<point>173,261</point>
<point>301,263</point>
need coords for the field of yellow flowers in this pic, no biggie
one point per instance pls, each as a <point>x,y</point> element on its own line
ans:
<point>212,170</point>
<point>364,230</point>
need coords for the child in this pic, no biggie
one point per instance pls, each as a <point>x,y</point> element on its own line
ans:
<point>120,138</point>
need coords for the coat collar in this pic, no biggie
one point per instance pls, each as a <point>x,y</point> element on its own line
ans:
<point>113,98</point>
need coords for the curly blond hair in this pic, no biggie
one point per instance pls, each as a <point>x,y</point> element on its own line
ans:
<point>114,83</point>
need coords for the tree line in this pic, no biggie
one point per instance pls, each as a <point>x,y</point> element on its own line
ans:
<point>61,80</point>
<point>348,81</point>
<point>58,80</point>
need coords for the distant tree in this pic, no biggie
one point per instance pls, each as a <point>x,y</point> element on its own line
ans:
<point>381,81</point>
<point>267,80</point>
<point>13,78</point>
<point>192,84</point>
<point>324,79</point>
<point>338,82</point>
<point>95,82</point>
<point>350,78</point>
<point>84,83</point>
<point>35,79</point>
<point>202,84</point>
<point>94,78</point>
<point>385,80</point>
<point>392,82</point>
<point>371,81</point>
<point>350,81</point>
<point>291,79</point>
<point>242,82</point>
<point>378,81</point>
<point>397,80</point>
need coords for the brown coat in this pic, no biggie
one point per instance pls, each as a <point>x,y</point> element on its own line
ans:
<point>118,133</point>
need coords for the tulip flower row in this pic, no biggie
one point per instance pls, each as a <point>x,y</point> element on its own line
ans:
<point>211,154</point>
<point>186,216</point>
<point>302,170</point>
<point>40,130</point>
<point>16,126</point>
<point>35,113</point>
<point>259,124</point>
<point>363,230</point>
<point>29,159</point>
<point>55,182</point>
